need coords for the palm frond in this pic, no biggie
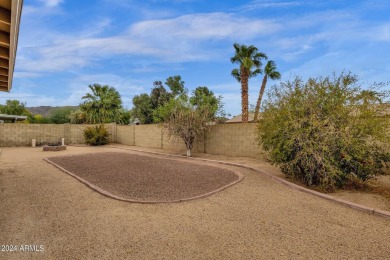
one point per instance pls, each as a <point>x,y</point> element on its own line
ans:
<point>236,74</point>
<point>270,70</point>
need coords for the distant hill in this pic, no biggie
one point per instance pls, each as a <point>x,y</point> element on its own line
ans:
<point>45,110</point>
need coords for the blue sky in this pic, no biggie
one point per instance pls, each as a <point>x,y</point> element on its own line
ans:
<point>65,45</point>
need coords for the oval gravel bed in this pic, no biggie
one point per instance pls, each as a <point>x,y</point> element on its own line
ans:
<point>146,179</point>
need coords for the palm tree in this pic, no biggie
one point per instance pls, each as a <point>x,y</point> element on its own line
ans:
<point>369,97</point>
<point>104,105</point>
<point>248,58</point>
<point>269,72</point>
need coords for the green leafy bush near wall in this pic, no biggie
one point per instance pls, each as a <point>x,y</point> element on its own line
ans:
<point>96,135</point>
<point>326,131</point>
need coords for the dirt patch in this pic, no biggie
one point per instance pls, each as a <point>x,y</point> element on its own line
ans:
<point>373,193</point>
<point>147,178</point>
<point>384,180</point>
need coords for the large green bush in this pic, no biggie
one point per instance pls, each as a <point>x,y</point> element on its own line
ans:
<point>96,135</point>
<point>326,131</point>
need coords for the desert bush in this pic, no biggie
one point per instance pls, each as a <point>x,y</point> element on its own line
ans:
<point>96,135</point>
<point>326,131</point>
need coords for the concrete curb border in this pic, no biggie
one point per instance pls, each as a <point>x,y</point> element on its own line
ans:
<point>373,211</point>
<point>110,195</point>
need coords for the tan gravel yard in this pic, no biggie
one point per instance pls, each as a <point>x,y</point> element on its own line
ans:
<point>254,219</point>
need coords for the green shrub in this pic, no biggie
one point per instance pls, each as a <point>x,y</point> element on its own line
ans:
<point>96,135</point>
<point>326,131</point>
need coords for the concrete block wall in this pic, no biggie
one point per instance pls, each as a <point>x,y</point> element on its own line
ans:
<point>148,136</point>
<point>76,135</point>
<point>224,139</point>
<point>172,144</point>
<point>151,136</point>
<point>125,134</point>
<point>111,128</point>
<point>178,145</point>
<point>45,133</point>
<point>232,140</point>
<point>22,134</point>
<point>12,135</point>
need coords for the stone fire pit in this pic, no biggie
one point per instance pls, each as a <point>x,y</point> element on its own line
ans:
<point>54,148</point>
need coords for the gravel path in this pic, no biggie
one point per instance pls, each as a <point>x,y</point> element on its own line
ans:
<point>255,219</point>
<point>147,178</point>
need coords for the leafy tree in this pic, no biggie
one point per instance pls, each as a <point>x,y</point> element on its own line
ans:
<point>326,131</point>
<point>143,108</point>
<point>176,85</point>
<point>125,116</point>
<point>159,95</point>
<point>203,97</point>
<point>269,72</point>
<point>147,108</point>
<point>103,105</point>
<point>14,107</point>
<point>61,115</point>
<point>249,60</point>
<point>144,105</point>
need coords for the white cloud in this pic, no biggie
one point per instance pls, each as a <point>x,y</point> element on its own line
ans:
<point>345,61</point>
<point>151,68</point>
<point>23,74</point>
<point>51,62</point>
<point>169,40</point>
<point>51,3</point>
<point>293,55</point>
<point>34,100</point>
<point>175,1</point>
<point>226,87</point>
<point>325,32</point>
<point>383,32</point>
<point>270,4</point>
<point>204,27</point>
<point>96,27</point>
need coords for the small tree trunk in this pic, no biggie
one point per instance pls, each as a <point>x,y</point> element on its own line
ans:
<point>261,93</point>
<point>189,153</point>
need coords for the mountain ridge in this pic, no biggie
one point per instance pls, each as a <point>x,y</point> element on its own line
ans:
<point>46,110</point>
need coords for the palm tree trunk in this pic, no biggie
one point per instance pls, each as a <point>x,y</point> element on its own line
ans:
<point>261,93</point>
<point>244,95</point>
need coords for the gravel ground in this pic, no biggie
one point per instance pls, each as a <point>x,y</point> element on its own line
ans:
<point>254,219</point>
<point>146,178</point>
